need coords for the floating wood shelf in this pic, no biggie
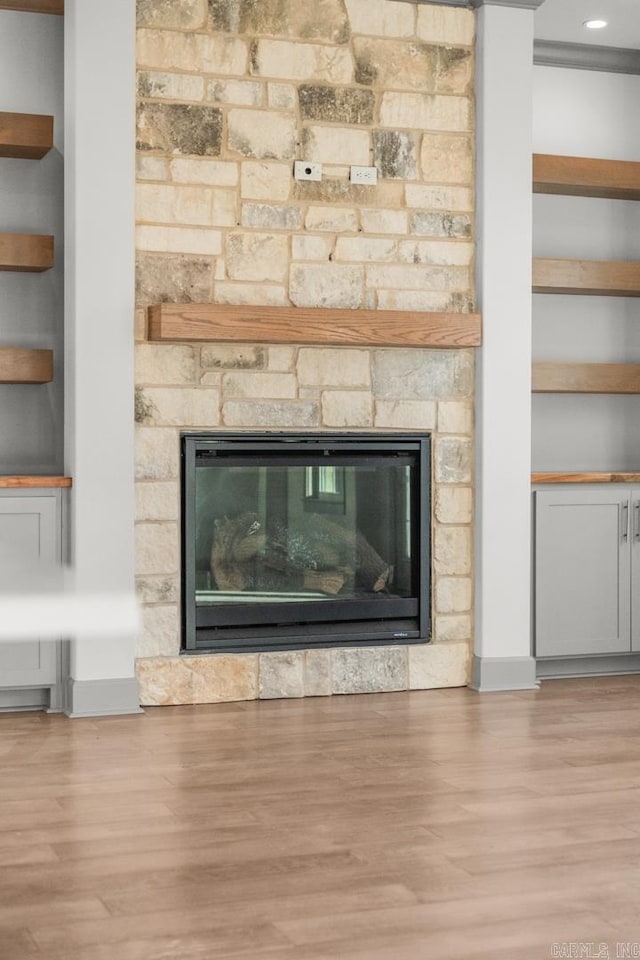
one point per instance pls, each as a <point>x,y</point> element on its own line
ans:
<point>585,177</point>
<point>607,278</point>
<point>34,6</point>
<point>586,477</point>
<point>346,328</point>
<point>26,252</point>
<point>34,482</point>
<point>18,365</point>
<point>586,377</point>
<point>27,136</point>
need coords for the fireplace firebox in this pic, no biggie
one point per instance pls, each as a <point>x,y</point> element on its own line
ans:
<point>291,541</point>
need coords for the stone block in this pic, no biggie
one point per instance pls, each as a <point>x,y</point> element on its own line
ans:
<point>160,632</point>
<point>140,324</point>
<point>439,198</point>
<point>262,134</point>
<point>178,240</point>
<point>339,190</point>
<point>301,61</point>
<point>214,173</point>
<point>382,18</point>
<point>257,256</point>
<point>439,253</point>
<point>184,406</point>
<point>347,408</point>
<point>453,504</point>
<point>348,105</point>
<point>270,217</point>
<point>332,219</point>
<point>409,374</point>
<point>418,277</point>
<point>186,15</point>
<point>285,414</point>
<point>187,205</point>
<point>233,356</point>
<point>451,225</point>
<point>336,145</point>
<point>453,460</point>
<point>273,386</point>
<point>446,159</point>
<point>157,548</point>
<point>180,128</point>
<point>157,453</point>
<point>453,595</point>
<point>454,70</point>
<point>172,279</point>
<point>265,181</point>
<point>194,53</point>
<point>151,168</point>
<point>207,679</point>
<point>317,673</point>
<point>163,364</point>
<point>395,154</point>
<point>281,674</point>
<point>170,86</point>
<point>452,551</point>
<point>425,111</point>
<point>396,64</point>
<point>433,665</point>
<point>282,96</point>
<point>405,414</point>
<point>323,20</point>
<point>369,669</point>
<point>330,285</point>
<point>254,294</point>
<point>384,221</point>
<point>455,416</point>
<point>158,590</point>
<point>428,300</point>
<point>282,358</point>
<point>363,249</point>
<point>446,25</point>
<point>157,501</point>
<point>248,93</point>
<point>452,628</point>
<point>334,367</point>
<point>305,247</point>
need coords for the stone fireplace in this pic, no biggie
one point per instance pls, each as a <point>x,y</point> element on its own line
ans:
<point>230,93</point>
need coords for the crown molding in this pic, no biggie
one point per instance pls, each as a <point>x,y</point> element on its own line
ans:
<point>586,56</point>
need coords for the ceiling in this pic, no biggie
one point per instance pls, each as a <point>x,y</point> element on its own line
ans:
<point>563,20</point>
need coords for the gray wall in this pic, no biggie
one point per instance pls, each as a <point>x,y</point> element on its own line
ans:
<point>31,201</point>
<point>581,113</point>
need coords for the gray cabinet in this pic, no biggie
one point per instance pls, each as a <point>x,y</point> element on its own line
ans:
<point>30,530</point>
<point>587,571</point>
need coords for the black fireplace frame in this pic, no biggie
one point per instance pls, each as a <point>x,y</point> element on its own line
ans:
<point>406,620</point>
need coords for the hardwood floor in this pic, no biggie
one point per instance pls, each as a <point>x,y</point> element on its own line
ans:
<point>433,824</point>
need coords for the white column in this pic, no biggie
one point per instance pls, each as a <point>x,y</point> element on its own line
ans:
<point>99,292</point>
<point>503,439</point>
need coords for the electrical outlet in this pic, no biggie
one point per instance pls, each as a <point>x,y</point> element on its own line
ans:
<point>303,170</point>
<point>365,175</point>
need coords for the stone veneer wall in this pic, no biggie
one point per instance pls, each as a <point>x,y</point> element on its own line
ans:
<point>230,93</point>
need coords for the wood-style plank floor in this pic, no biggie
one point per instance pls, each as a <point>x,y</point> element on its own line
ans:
<point>433,824</point>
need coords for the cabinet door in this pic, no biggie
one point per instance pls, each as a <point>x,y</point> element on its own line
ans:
<point>29,531</point>
<point>582,572</point>
<point>635,569</point>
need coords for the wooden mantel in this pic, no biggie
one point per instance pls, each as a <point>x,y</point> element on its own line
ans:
<point>312,325</point>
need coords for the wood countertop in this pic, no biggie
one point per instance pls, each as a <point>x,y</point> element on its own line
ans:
<point>586,477</point>
<point>34,482</point>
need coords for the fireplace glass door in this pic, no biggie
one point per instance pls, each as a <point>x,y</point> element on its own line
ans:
<point>290,541</point>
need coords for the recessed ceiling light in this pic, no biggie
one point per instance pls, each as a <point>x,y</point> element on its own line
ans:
<point>595,24</point>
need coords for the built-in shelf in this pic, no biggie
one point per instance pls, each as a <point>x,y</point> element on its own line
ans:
<point>18,365</point>
<point>551,377</point>
<point>34,6</point>
<point>26,136</point>
<point>38,482</point>
<point>314,325</point>
<point>586,177</point>
<point>26,252</point>
<point>586,476</point>
<point>606,278</point>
